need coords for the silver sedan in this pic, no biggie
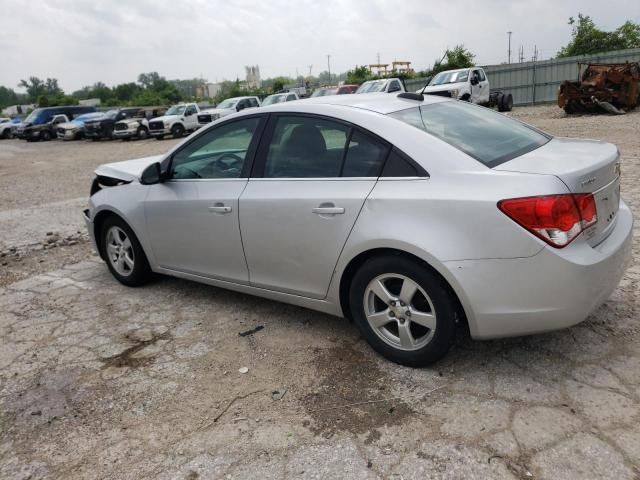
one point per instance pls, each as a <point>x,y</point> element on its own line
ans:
<point>415,217</point>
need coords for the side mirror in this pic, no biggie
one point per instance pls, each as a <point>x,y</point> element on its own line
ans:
<point>188,114</point>
<point>474,81</point>
<point>151,175</point>
<point>240,106</point>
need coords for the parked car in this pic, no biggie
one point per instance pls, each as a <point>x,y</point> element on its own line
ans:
<point>102,127</point>
<point>324,91</point>
<point>74,129</point>
<point>383,85</point>
<point>470,85</point>
<point>227,107</point>
<point>178,120</point>
<point>136,126</point>
<point>410,215</point>
<point>41,124</point>
<point>345,89</point>
<point>7,127</point>
<point>279,98</point>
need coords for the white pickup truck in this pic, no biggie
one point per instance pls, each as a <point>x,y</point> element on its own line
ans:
<point>383,85</point>
<point>470,85</point>
<point>176,121</point>
<point>227,107</point>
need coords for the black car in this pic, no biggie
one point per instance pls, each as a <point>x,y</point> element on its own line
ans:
<point>102,127</point>
<point>41,123</point>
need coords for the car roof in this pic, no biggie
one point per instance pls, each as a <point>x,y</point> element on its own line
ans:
<point>383,103</point>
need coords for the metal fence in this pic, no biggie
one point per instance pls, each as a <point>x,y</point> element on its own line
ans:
<point>537,82</point>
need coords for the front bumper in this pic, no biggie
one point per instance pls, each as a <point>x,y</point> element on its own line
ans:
<point>163,131</point>
<point>125,133</point>
<point>554,289</point>
<point>89,224</point>
<point>67,135</point>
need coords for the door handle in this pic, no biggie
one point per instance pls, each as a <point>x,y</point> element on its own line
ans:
<point>328,210</point>
<point>219,208</point>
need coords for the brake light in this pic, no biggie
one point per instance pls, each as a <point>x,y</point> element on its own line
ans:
<point>556,219</point>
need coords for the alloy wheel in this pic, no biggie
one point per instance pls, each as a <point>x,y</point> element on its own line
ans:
<point>120,251</point>
<point>399,311</point>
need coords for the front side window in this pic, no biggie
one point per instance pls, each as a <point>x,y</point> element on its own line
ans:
<point>305,147</point>
<point>218,153</point>
<point>253,102</point>
<point>190,110</point>
<point>291,98</point>
<point>488,136</point>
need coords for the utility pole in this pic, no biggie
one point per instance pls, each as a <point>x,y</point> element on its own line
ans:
<point>509,49</point>
<point>329,66</point>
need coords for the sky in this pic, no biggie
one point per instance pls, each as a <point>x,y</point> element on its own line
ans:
<point>81,42</point>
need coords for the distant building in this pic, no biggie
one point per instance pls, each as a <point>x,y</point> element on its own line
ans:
<point>253,76</point>
<point>213,89</point>
<point>14,110</point>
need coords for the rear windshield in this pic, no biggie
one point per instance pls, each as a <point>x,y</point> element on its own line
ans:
<point>488,136</point>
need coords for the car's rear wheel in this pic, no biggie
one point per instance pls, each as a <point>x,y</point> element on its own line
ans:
<point>124,254</point>
<point>403,309</point>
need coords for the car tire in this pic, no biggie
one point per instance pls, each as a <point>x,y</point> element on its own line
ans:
<point>45,135</point>
<point>177,131</point>
<point>466,97</point>
<point>6,134</point>
<point>123,253</point>
<point>142,133</point>
<point>426,330</point>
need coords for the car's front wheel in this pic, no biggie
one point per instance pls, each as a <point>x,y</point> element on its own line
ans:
<point>403,309</point>
<point>124,254</point>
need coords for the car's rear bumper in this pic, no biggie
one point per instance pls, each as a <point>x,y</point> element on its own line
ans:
<point>554,289</point>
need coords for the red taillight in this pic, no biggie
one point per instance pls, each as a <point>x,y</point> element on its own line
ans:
<point>556,219</point>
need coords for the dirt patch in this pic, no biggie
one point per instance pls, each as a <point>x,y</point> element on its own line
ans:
<point>128,358</point>
<point>352,395</point>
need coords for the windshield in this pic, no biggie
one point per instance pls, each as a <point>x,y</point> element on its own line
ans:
<point>490,137</point>
<point>111,114</point>
<point>372,86</point>
<point>450,77</point>
<point>35,116</point>
<point>176,110</point>
<point>87,116</point>
<point>228,104</point>
<point>273,99</point>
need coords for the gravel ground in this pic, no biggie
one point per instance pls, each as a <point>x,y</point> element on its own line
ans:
<point>101,381</point>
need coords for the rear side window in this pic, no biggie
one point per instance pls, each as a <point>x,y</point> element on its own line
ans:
<point>365,156</point>
<point>488,136</point>
<point>305,147</point>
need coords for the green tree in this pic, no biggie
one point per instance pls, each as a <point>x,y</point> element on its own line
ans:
<point>359,75</point>
<point>36,87</point>
<point>458,57</point>
<point>8,97</point>
<point>587,38</point>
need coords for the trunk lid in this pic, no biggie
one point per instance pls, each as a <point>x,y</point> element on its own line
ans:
<point>584,166</point>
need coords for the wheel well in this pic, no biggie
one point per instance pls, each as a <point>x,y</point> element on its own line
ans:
<point>359,260</point>
<point>98,222</point>
<point>466,96</point>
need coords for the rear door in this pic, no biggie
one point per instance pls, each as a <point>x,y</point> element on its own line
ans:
<point>311,179</point>
<point>192,218</point>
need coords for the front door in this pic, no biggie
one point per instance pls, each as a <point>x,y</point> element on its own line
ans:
<point>296,213</point>
<point>192,218</point>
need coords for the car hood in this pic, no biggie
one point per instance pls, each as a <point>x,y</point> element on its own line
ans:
<point>445,87</point>
<point>127,171</point>
<point>69,125</point>
<point>218,110</point>
<point>131,121</point>
<point>167,118</point>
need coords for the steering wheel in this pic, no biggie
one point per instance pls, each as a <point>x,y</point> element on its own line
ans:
<point>236,163</point>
